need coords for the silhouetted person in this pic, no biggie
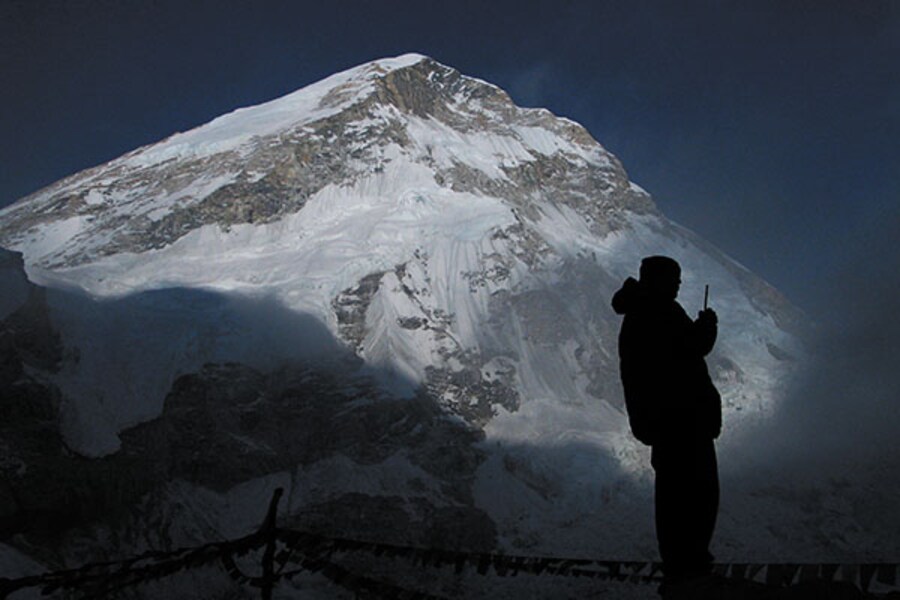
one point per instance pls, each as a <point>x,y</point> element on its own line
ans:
<point>674,408</point>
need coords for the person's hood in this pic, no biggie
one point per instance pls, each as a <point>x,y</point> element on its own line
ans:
<point>629,296</point>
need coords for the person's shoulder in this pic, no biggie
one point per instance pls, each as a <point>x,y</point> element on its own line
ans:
<point>678,308</point>
<point>673,312</point>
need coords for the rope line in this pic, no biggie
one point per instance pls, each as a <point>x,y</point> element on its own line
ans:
<point>354,582</point>
<point>314,553</point>
<point>503,564</point>
<point>97,577</point>
<point>315,559</point>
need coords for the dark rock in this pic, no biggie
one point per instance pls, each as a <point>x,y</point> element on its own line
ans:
<point>350,308</point>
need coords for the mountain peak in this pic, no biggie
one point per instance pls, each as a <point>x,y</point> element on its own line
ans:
<point>389,122</point>
<point>312,102</point>
<point>399,62</point>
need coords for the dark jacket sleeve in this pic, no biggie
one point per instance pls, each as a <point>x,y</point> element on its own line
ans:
<point>689,404</point>
<point>702,336</point>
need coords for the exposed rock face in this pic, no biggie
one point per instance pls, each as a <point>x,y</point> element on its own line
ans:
<point>229,424</point>
<point>350,308</point>
<point>29,436</point>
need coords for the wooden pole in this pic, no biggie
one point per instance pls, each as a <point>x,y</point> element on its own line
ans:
<point>270,531</point>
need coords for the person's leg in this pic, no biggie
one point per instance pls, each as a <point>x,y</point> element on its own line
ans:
<point>686,499</point>
<point>707,506</point>
<point>669,510</point>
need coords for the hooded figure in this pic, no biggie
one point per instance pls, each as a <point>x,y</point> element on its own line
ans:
<point>668,391</point>
<point>673,407</point>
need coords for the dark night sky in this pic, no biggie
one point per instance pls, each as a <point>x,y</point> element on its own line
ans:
<point>772,128</point>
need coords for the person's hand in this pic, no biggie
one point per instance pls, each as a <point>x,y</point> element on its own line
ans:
<point>707,316</point>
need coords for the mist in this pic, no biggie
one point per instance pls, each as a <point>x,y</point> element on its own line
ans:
<point>844,407</point>
<point>823,468</point>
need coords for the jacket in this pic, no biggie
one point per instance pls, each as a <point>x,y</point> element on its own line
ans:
<point>669,395</point>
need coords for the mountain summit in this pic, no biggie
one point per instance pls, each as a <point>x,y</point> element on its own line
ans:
<point>450,254</point>
<point>260,164</point>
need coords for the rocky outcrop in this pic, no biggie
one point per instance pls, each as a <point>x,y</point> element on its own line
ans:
<point>30,443</point>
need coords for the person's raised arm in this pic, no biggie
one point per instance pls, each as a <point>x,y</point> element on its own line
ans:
<point>704,331</point>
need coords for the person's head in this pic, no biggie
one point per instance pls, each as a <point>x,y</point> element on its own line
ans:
<point>661,276</point>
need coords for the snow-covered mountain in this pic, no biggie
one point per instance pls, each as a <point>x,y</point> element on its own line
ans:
<point>388,291</point>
